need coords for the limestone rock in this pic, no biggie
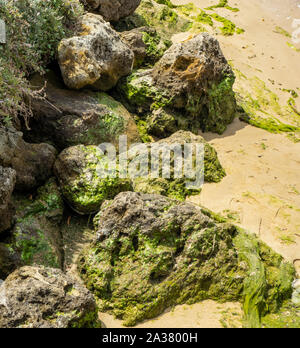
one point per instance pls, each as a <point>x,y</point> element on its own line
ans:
<point>96,56</point>
<point>7,185</point>
<point>37,297</point>
<point>151,252</point>
<point>32,162</point>
<point>192,77</point>
<point>83,187</point>
<point>112,10</point>
<point>68,118</point>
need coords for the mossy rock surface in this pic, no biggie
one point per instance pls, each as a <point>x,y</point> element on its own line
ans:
<point>192,78</point>
<point>147,45</point>
<point>68,118</point>
<point>36,238</point>
<point>209,166</point>
<point>151,252</point>
<point>150,13</point>
<point>81,183</point>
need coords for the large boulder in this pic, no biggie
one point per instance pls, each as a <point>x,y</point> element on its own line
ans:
<point>78,170</point>
<point>32,162</point>
<point>7,185</point>
<point>36,237</point>
<point>193,77</point>
<point>96,56</point>
<point>151,252</point>
<point>83,187</point>
<point>112,10</point>
<point>66,118</point>
<point>176,187</point>
<point>37,297</point>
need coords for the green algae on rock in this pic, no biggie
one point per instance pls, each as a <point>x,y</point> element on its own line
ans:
<point>260,107</point>
<point>192,77</point>
<point>176,187</point>
<point>162,17</point>
<point>147,45</point>
<point>152,252</point>
<point>36,236</point>
<point>81,184</point>
<point>67,118</point>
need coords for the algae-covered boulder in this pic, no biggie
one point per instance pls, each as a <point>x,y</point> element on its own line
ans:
<point>155,14</point>
<point>147,45</point>
<point>7,185</point>
<point>193,77</point>
<point>66,118</point>
<point>38,297</point>
<point>96,56</point>
<point>152,252</point>
<point>36,237</point>
<point>176,187</point>
<point>32,162</point>
<point>112,10</point>
<point>81,183</point>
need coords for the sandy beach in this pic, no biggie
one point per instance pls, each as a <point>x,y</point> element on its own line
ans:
<point>261,192</point>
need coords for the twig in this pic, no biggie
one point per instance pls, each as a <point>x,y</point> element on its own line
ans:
<point>260,223</point>
<point>277,212</point>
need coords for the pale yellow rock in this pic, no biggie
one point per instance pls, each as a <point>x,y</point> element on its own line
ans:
<point>95,57</point>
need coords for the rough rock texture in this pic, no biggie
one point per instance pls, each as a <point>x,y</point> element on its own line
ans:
<point>193,77</point>
<point>157,15</point>
<point>96,56</point>
<point>152,252</point>
<point>36,237</point>
<point>146,44</point>
<point>176,187</point>
<point>112,10</point>
<point>9,260</point>
<point>68,118</point>
<point>84,189</point>
<point>296,293</point>
<point>7,185</point>
<point>32,162</point>
<point>37,297</point>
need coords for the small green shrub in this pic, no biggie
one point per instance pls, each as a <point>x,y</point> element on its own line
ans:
<point>34,29</point>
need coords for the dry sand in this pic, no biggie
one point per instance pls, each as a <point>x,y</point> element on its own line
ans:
<point>262,189</point>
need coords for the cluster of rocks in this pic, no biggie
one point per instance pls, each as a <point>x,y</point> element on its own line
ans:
<point>150,250</point>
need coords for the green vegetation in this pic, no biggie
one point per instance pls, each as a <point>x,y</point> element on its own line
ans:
<point>292,92</point>
<point>155,48</point>
<point>223,4</point>
<point>87,190</point>
<point>293,47</point>
<point>287,318</point>
<point>282,31</point>
<point>133,274</point>
<point>34,236</point>
<point>229,28</point>
<point>34,29</point>
<point>260,107</point>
